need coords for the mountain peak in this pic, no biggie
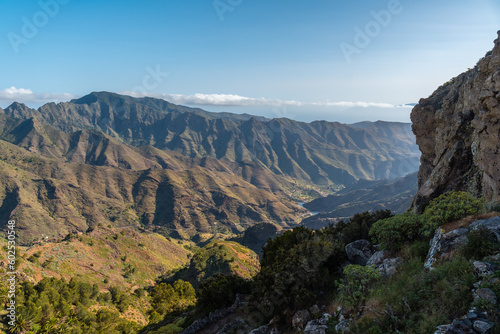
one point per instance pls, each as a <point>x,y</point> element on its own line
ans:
<point>98,96</point>
<point>17,106</point>
<point>20,110</point>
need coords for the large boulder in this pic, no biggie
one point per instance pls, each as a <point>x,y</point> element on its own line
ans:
<point>359,251</point>
<point>444,244</point>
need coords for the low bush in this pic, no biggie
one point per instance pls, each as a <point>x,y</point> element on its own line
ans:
<point>449,207</point>
<point>167,298</point>
<point>392,233</point>
<point>480,243</point>
<point>358,227</point>
<point>220,291</point>
<point>355,287</point>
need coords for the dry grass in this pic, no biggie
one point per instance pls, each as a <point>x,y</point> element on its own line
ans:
<point>467,221</point>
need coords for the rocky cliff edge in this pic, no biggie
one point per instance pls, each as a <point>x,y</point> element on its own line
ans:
<point>458,132</point>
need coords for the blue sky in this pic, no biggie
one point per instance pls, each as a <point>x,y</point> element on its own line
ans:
<point>341,61</point>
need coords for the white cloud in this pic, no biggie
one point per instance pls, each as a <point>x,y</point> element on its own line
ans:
<point>13,92</point>
<point>306,111</point>
<point>24,95</point>
<point>237,100</point>
<point>216,99</point>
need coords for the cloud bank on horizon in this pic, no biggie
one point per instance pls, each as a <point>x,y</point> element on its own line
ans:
<point>27,96</point>
<point>237,100</point>
<point>259,106</point>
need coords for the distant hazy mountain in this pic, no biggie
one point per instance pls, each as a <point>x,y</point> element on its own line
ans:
<point>395,195</point>
<point>318,152</point>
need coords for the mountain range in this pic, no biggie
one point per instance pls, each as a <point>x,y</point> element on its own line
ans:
<point>112,159</point>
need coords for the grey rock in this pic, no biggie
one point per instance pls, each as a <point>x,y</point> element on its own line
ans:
<point>377,258</point>
<point>199,324</point>
<point>232,326</point>
<point>324,319</point>
<point>390,266</point>
<point>359,251</point>
<point>261,330</point>
<point>487,294</point>
<point>443,329</point>
<point>456,129</point>
<point>300,319</point>
<point>314,309</point>
<point>443,243</point>
<point>472,315</point>
<point>482,269</point>
<point>343,326</point>
<point>491,225</point>
<point>386,265</point>
<point>482,326</point>
<point>318,326</point>
<point>467,322</point>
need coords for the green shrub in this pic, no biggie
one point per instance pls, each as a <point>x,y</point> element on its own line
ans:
<point>355,287</point>
<point>57,306</point>
<point>494,207</point>
<point>358,227</point>
<point>481,243</point>
<point>449,207</point>
<point>295,268</point>
<point>167,298</point>
<point>419,250</point>
<point>392,233</point>
<point>219,291</point>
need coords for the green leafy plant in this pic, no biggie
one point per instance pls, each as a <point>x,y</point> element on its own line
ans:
<point>480,243</point>
<point>167,298</point>
<point>356,285</point>
<point>392,233</point>
<point>219,291</point>
<point>451,206</point>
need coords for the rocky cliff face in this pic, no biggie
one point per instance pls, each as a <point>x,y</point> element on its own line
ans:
<point>458,132</point>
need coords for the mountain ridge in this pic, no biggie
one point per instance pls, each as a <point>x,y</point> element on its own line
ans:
<point>320,152</point>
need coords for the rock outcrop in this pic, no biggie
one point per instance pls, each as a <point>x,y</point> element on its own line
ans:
<point>445,244</point>
<point>359,251</point>
<point>384,263</point>
<point>318,326</point>
<point>457,130</point>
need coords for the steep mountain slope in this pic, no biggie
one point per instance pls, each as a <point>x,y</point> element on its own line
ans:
<point>55,183</point>
<point>458,132</point>
<point>219,257</point>
<point>105,256</point>
<point>317,152</point>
